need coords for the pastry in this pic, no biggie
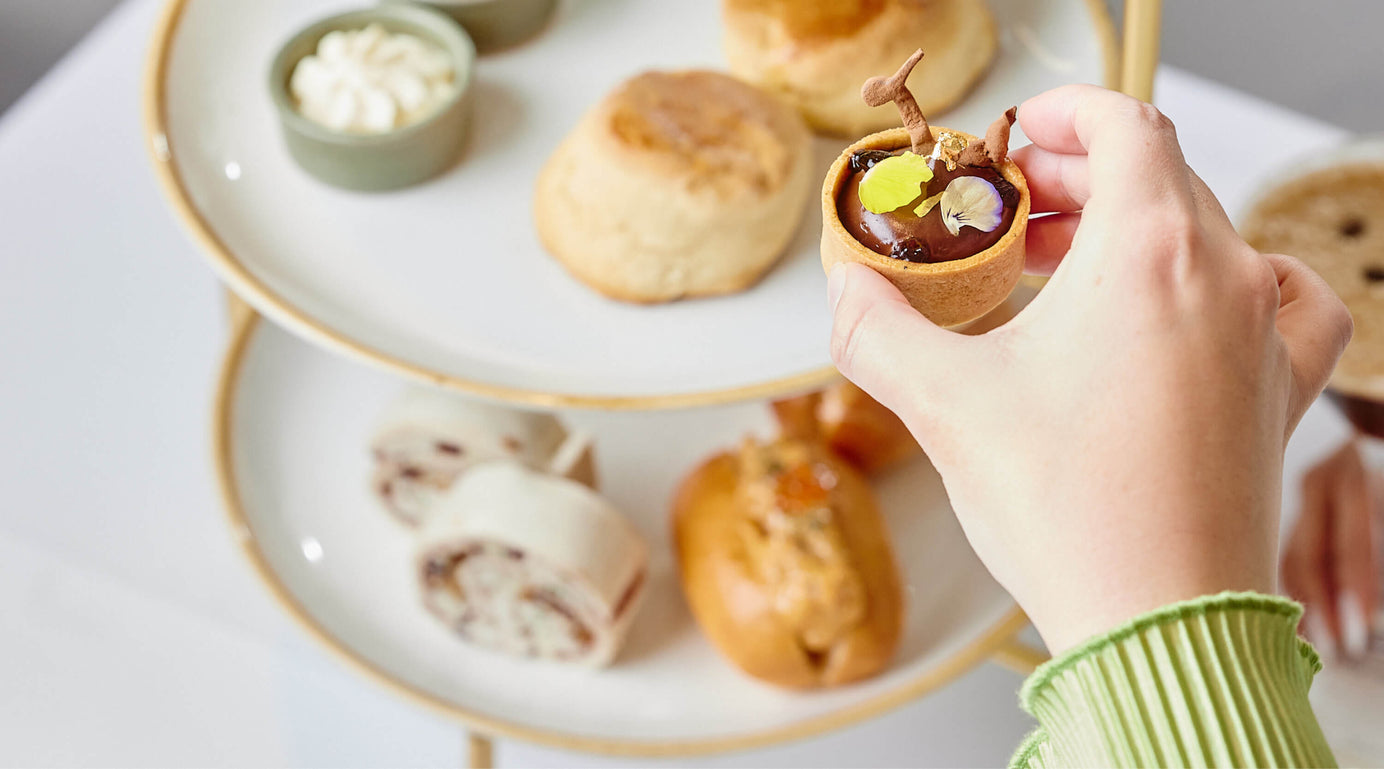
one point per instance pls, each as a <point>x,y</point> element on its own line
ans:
<point>677,184</point>
<point>815,54</point>
<point>854,425</point>
<point>940,213</point>
<point>532,565</point>
<point>786,564</point>
<point>1333,220</point>
<point>426,438</point>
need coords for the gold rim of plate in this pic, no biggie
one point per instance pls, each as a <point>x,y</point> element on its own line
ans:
<point>997,642</point>
<point>254,291</point>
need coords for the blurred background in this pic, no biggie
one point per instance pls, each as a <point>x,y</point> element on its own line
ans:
<point>1328,66</point>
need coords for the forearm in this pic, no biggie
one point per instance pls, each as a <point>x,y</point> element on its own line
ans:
<point>1218,681</point>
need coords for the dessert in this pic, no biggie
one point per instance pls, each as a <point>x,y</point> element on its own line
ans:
<point>677,184</point>
<point>1333,220</point>
<point>786,564</point>
<point>370,81</point>
<point>851,423</point>
<point>426,439</point>
<point>532,565</point>
<point>940,213</point>
<point>814,53</point>
<point>374,99</point>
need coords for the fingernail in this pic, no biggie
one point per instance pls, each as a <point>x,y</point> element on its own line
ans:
<point>836,280</point>
<point>1319,636</point>
<point>1355,634</point>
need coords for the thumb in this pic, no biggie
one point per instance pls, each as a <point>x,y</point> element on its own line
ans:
<point>883,345</point>
<point>1315,326</point>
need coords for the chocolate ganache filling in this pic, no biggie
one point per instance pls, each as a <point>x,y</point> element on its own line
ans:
<point>902,234</point>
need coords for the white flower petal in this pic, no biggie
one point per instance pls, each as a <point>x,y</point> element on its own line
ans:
<point>970,201</point>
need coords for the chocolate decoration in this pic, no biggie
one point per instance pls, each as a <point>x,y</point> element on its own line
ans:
<point>1353,227</point>
<point>994,148</point>
<point>1374,273</point>
<point>1366,415</point>
<point>889,234</point>
<point>879,91</point>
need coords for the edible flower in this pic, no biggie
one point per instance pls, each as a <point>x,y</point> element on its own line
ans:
<point>928,204</point>
<point>970,201</point>
<point>894,182</point>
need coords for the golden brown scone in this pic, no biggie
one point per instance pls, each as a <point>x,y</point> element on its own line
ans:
<point>677,184</point>
<point>786,564</point>
<point>853,424</point>
<point>1333,220</point>
<point>816,54</point>
<point>948,293</point>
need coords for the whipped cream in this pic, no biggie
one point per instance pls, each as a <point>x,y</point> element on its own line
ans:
<point>371,81</point>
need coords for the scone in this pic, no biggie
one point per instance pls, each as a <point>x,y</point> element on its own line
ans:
<point>1333,220</point>
<point>815,54</point>
<point>854,425</point>
<point>677,184</point>
<point>786,564</point>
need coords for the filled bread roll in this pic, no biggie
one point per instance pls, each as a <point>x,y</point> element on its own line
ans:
<point>851,423</point>
<point>677,184</point>
<point>426,438</point>
<point>532,565</point>
<point>816,54</point>
<point>786,564</point>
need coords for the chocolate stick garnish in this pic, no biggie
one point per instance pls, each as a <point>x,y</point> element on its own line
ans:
<point>879,91</point>
<point>994,148</point>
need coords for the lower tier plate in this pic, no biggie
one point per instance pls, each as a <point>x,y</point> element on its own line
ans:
<point>292,427</point>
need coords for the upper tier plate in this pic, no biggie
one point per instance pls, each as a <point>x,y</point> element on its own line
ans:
<point>446,281</point>
<point>292,432</point>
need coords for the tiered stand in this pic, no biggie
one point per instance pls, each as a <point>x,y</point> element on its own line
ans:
<point>1134,74</point>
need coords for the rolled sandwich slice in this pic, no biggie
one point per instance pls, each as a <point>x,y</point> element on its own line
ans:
<point>427,438</point>
<point>532,565</point>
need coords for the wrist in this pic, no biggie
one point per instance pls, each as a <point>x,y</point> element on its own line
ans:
<point>1220,680</point>
<point>1078,618</point>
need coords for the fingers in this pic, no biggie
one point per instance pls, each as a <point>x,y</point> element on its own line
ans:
<point>1352,552</point>
<point>1135,157</point>
<point>1047,241</point>
<point>1314,324</point>
<point>1305,571</point>
<point>1056,182</point>
<point>882,344</point>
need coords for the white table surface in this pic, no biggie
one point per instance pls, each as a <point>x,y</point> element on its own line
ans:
<point>132,633</point>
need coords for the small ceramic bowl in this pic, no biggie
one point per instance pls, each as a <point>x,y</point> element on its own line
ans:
<point>496,24</point>
<point>401,157</point>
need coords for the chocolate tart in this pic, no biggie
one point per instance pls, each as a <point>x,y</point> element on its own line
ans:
<point>949,293</point>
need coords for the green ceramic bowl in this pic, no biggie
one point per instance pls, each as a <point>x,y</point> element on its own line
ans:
<point>495,24</point>
<point>405,156</point>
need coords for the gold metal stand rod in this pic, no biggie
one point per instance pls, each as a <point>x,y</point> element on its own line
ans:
<point>1143,29</point>
<point>480,751</point>
<point>1019,657</point>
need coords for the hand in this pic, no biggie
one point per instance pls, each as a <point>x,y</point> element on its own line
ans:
<point>1119,445</point>
<point>1331,563</point>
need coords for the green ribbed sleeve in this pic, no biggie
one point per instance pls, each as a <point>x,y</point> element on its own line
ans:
<point>1218,681</point>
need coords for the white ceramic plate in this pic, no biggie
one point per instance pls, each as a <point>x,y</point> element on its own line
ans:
<point>446,281</point>
<point>292,431</point>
